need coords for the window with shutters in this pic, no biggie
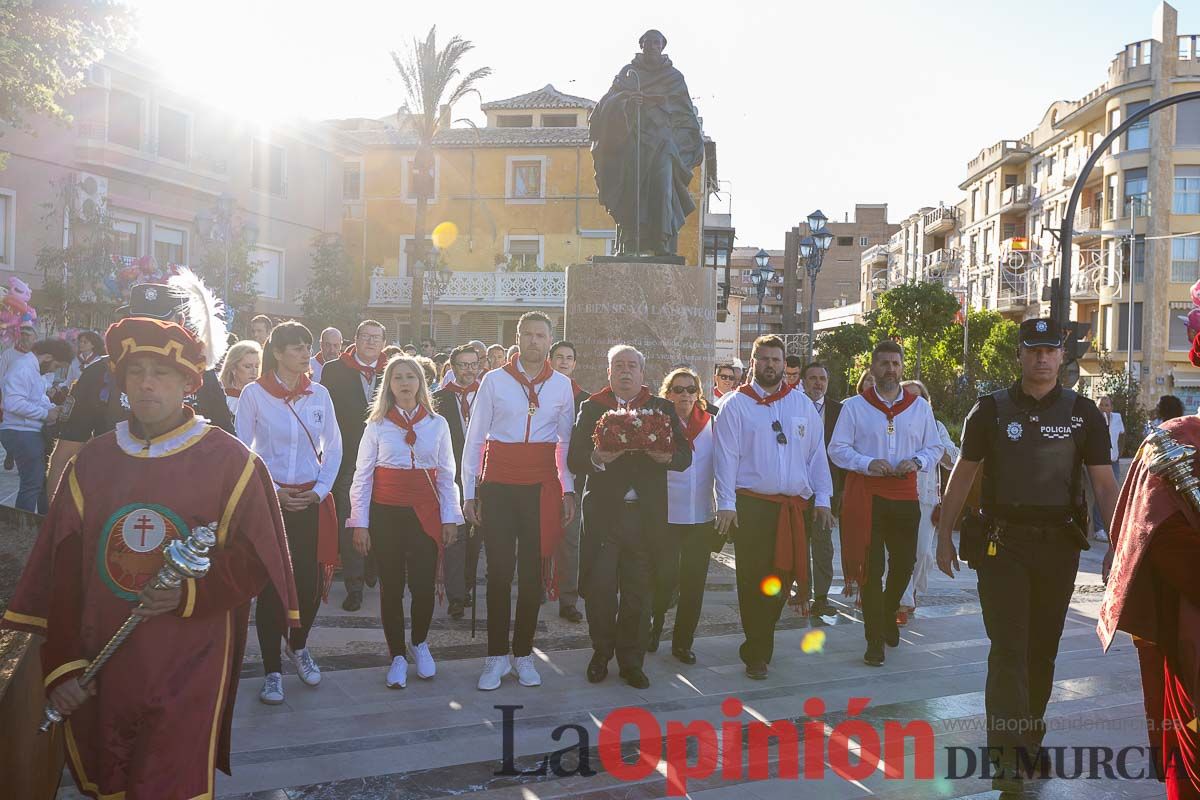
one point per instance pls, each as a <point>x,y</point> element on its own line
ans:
<point>526,180</point>
<point>524,253</point>
<point>1187,190</point>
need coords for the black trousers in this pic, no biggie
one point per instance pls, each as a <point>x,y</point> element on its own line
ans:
<point>664,570</point>
<point>406,556</point>
<point>754,548</point>
<point>894,525</point>
<point>619,589</point>
<point>1025,591</point>
<point>301,530</point>
<point>462,564</point>
<point>513,539</point>
<point>354,566</point>
<point>693,544</point>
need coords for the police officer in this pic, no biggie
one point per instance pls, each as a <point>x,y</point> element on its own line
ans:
<point>1032,441</point>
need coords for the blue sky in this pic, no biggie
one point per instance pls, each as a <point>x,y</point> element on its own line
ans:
<point>811,104</point>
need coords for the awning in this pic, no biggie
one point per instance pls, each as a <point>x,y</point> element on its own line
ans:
<point>1189,381</point>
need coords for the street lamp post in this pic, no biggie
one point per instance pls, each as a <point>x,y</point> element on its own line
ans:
<point>760,276</point>
<point>217,224</point>
<point>436,283</point>
<point>812,250</point>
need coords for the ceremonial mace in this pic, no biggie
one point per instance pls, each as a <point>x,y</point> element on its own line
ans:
<point>1172,461</point>
<point>182,559</point>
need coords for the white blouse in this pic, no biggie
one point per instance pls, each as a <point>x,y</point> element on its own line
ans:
<point>267,426</point>
<point>929,489</point>
<point>691,494</point>
<point>383,445</point>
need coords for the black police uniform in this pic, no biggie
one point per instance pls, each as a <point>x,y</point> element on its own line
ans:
<point>1033,453</point>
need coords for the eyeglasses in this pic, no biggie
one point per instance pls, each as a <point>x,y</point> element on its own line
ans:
<point>371,337</point>
<point>724,377</point>
<point>780,436</point>
<point>682,389</point>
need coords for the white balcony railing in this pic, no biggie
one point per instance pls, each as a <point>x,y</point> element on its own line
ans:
<point>479,288</point>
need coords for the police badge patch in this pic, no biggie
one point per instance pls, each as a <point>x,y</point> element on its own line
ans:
<point>1014,431</point>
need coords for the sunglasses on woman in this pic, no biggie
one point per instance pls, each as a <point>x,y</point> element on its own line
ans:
<point>682,389</point>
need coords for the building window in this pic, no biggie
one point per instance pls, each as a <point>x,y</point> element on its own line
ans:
<point>716,249</point>
<point>1114,121</point>
<point>1187,191</point>
<point>1135,201</point>
<point>125,119</point>
<point>845,241</point>
<point>1177,330</point>
<point>7,209</point>
<point>1036,172</point>
<point>1185,259</point>
<point>408,259</point>
<point>514,121</point>
<point>987,198</point>
<point>1137,137</point>
<point>412,182</point>
<point>1187,123</point>
<point>864,241</point>
<point>526,180</point>
<point>1139,258</point>
<point>268,278</point>
<point>172,134</point>
<point>170,246</point>
<point>974,204</point>
<point>1110,205</point>
<point>127,238</point>
<point>524,253</point>
<point>267,169</point>
<point>560,120</point>
<point>1123,327</point>
<point>351,180</point>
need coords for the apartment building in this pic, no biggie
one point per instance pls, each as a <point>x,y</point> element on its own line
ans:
<point>925,247</point>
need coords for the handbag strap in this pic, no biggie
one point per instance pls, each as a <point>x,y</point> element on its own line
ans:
<point>303,427</point>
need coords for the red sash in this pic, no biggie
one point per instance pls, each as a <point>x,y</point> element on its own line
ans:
<point>857,499</point>
<point>415,489</point>
<point>695,423</point>
<point>327,536</point>
<point>607,398</point>
<point>527,464</point>
<point>791,542</point>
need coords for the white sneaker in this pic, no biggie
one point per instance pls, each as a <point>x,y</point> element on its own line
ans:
<point>306,668</point>
<point>425,667</point>
<point>1100,536</point>
<point>397,673</point>
<point>494,668</point>
<point>527,673</point>
<point>272,690</point>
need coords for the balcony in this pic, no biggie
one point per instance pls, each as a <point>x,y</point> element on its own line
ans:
<point>940,220</point>
<point>1013,295</point>
<point>1087,222</point>
<point>940,262</point>
<point>199,173</point>
<point>896,242</point>
<point>1016,198</point>
<point>519,289</point>
<point>877,254</point>
<point>1006,151</point>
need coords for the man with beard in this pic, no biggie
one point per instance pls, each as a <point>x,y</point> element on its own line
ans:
<point>626,507</point>
<point>646,141</point>
<point>770,467</point>
<point>883,437</point>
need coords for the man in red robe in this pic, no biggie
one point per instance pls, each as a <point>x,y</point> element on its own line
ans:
<point>1152,594</point>
<point>155,723</point>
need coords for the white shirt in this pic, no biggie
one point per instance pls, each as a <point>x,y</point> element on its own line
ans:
<point>691,494</point>
<point>383,445</point>
<point>929,487</point>
<point>861,435</point>
<point>749,455</point>
<point>315,368</point>
<point>1116,426</point>
<point>25,402</point>
<point>231,403</point>
<point>501,414</point>
<point>267,426</point>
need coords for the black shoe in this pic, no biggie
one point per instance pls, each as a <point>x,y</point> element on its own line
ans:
<point>571,614</point>
<point>654,638</point>
<point>757,671</point>
<point>874,655</point>
<point>353,601</point>
<point>9,463</point>
<point>684,654</point>
<point>456,609</point>
<point>370,581</point>
<point>597,669</point>
<point>822,608</point>
<point>891,636</point>
<point>635,678</point>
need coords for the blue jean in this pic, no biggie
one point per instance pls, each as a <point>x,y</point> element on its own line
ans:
<point>28,450</point>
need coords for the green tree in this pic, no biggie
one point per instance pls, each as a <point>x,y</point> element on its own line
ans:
<point>998,364</point>
<point>428,74</point>
<point>332,297</point>
<point>209,262</point>
<point>838,348</point>
<point>46,49</point>
<point>1115,383</point>
<point>918,312</point>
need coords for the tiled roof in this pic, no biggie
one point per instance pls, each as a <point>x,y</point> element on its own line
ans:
<point>475,137</point>
<point>545,97</point>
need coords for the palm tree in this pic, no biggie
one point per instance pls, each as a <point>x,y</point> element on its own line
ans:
<point>428,73</point>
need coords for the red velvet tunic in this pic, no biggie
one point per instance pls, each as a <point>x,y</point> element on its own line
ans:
<point>160,722</point>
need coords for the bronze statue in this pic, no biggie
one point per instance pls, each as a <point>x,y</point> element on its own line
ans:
<point>646,141</point>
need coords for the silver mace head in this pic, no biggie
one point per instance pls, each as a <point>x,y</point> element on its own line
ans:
<point>188,558</point>
<point>1172,461</point>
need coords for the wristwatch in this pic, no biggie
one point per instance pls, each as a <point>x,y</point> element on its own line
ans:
<point>920,464</point>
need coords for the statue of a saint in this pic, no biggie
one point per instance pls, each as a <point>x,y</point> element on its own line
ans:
<point>646,141</point>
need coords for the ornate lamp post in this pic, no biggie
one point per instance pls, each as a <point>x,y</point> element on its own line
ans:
<point>812,250</point>
<point>760,276</point>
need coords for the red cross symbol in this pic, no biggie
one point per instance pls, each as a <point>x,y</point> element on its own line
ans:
<point>143,524</point>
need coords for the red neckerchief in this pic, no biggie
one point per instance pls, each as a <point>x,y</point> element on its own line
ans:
<point>529,385</point>
<point>90,360</point>
<point>904,402</point>
<point>462,392</point>
<point>695,423</point>
<point>275,387</point>
<point>606,398</point>
<point>575,388</point>
<point>410,438</point>
<point>778,394</point>
<point>321,358</point>
<point>717,393</point>
<point>232,392</point>
<point>368,372</point>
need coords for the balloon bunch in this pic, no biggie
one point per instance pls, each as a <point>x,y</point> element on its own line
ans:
<point>1193,317</point>
<point>15,309</point>
<point>128,272</point>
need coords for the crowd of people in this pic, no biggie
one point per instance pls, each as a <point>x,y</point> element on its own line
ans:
<point>402,467</point>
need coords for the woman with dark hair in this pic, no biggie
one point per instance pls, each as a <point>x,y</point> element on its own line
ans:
<point>289,422</point>
<point>89,346</point>
<point>1169,407</point>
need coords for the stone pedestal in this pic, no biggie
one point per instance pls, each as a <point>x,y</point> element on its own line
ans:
<point>667,311</point>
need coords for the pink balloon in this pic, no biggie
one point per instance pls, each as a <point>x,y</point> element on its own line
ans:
<point>1196,293</point>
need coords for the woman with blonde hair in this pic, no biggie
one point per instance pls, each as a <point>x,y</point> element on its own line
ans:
<point>929,494</point>
<point>682,556</point>
<point>241,367</point>
<point>865,382</point>
<point>405,506</point>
